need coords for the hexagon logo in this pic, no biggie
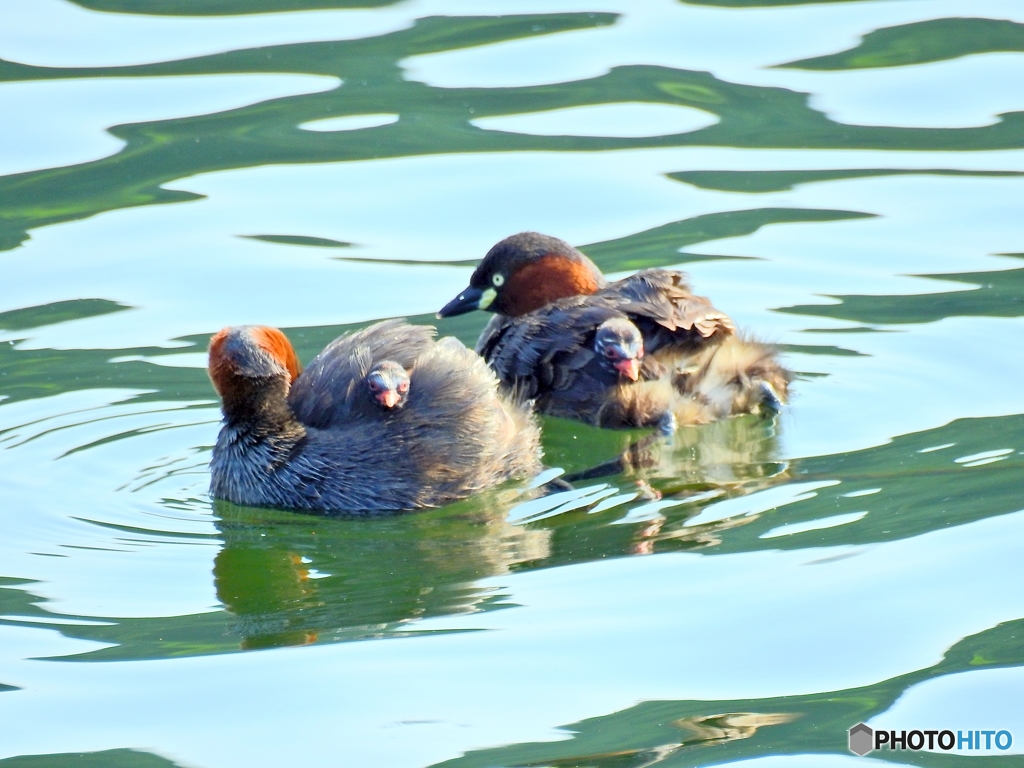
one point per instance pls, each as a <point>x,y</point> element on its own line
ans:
<point>861,739</point>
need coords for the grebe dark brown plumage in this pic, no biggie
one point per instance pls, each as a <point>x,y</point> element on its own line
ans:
<point>550,300</point>
<point>325,440</point>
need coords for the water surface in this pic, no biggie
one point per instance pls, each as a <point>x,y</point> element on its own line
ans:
<point>844,178</point>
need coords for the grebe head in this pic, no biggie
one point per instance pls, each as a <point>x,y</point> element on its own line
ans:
<point>619,345</point>
<point>525,272</point>
<point>388,384</point>
<point>245,355</point>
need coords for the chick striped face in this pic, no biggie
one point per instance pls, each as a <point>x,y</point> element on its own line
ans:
<point>619,344</point>
<point>388,385</point>
<point>250,351</point>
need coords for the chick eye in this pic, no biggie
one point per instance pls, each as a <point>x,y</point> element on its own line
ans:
<point>498,280</point>
<point>610,352</point>
<point>403,387</point>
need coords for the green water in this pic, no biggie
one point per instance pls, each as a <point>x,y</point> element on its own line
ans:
<point>844,179</point>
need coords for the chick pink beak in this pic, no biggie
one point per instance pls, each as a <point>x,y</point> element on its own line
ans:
<point>629,367</point>
<point>388,398</point>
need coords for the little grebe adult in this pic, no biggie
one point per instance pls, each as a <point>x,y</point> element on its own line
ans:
<point>383,419</point>
<point>550,301</point>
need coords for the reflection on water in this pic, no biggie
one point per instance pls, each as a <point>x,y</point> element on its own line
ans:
<point>691,733</point>
<point>292,580</point>
<point>842,177</point>
<point>995,294</point>
<point>114,758</point>
<point>288,579</point>
<point>623,120</point>
<point>922,42</point>
<point>791,725</point>
<point>34,139</point>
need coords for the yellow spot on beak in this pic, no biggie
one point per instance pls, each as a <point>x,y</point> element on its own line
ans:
<point>487,298</point>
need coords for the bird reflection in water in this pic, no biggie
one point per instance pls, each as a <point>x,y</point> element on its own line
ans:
<point>654,484</point>
<point>293,579</point>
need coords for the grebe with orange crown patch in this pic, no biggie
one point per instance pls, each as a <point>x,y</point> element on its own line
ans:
<point>383,419</point>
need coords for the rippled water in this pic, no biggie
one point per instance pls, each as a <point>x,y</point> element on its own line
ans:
<point>846,178</point>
